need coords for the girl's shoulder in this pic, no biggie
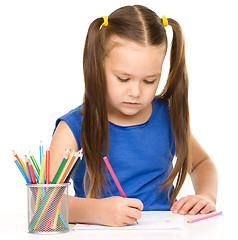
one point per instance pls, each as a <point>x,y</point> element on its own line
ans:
<point>73,116</point>
<point>73,119</point>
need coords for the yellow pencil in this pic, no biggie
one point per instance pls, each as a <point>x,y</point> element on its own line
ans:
<point>42,170</point>
<point>56,216</point>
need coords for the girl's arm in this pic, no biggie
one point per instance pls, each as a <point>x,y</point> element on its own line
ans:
<point>205,181</point>
<point>112,211</point>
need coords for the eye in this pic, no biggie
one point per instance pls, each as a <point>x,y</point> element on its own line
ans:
<point>123,79</point>
<point>149,82</point>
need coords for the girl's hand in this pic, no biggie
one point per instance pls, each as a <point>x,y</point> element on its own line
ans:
<point>193,204</point>
<point>118,211</point>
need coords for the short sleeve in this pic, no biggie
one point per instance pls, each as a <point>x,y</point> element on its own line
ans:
<point>74,120</point>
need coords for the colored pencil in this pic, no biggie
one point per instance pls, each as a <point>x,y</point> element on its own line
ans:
<point>20,161</point>
<point>36,175</point>
<point>70,163</point>
<point>61,167</point>
<point>204,217</point>
<point>35,163</point>
<point>22,171</point>
<point>41,152</point>
<point>74,168</point>
<point>115,178</point>
<point>28,169</point>
<point>47,167</point>
<point>33,177</point>
<point>42,170</point>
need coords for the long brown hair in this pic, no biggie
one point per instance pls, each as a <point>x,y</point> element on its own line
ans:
<point>139,24</point>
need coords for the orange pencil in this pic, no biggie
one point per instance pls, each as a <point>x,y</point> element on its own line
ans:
<point>69,166</point>
<point>65,167</point>
<point>21,162</point>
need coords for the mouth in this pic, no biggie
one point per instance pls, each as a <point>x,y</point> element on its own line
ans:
<point>132,104</point>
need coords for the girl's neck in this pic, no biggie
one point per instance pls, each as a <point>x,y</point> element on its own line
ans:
<point>130,120</point>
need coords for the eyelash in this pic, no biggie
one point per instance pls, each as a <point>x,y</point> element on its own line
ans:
<point>123,80</point>
<point>145,81</point>
<point>149,82</point>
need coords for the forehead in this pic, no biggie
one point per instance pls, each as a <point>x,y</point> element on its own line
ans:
<point>130,56</point>
<point>117,41</point>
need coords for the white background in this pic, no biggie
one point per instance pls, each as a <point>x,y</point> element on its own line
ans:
<point>41,45</point>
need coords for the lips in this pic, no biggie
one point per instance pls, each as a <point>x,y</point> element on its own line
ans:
<point>132,103</point>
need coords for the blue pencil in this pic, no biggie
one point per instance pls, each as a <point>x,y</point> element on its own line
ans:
<point>41,151</point>
<point>22,171</point>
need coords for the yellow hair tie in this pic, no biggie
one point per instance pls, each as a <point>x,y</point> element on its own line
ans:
<point>105,23</point>
<point>165,21</point>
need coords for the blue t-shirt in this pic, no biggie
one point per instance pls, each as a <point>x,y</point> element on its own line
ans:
<point>140,155</point>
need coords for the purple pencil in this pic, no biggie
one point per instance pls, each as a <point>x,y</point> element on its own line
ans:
<point>28,169</point>
<point>74,168</point>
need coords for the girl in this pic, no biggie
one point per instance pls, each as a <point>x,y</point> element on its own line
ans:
<point>139,132</point>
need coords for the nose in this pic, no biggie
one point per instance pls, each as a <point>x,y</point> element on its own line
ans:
<point>134,89</point>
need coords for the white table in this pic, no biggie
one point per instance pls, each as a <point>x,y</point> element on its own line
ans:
<point>14,225</point>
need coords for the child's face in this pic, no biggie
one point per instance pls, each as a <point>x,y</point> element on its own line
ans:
<point>132,74</point>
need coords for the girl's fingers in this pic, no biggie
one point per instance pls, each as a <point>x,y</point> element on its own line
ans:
<point>134,203</point>
<point>129,220</point>
<point>197,207</point>
<point>209,208</point>
<point>188,205</point>
<point>193,204</point>
<point>179,204</point>
<point>133,213</point>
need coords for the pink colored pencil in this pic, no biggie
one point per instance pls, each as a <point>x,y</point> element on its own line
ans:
<point>115,178</point>
<point>204,217</point>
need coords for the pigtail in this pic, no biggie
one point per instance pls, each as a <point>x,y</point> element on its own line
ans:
<point>94,128</point>
<point>176,92</point>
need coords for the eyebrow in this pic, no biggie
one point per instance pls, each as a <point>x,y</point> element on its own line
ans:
<point>130,75</point>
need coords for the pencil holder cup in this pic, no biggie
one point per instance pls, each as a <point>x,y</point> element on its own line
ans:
<point>47,208</point>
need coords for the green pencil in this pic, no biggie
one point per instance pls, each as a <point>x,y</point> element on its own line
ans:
<point>60,168</point>
<point>35,163</point>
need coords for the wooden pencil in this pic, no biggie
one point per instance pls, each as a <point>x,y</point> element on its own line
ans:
<point>42,170</point>
<point>33,177</point>
<point>35,163</point>
<point>20,162</point>
<point>61,167</point>
<point>47,167</point>
<point>67,169</point>
<point>28,169</point>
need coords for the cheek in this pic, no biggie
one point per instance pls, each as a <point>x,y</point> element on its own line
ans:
<point>150,93</point>
<point>113,91</point>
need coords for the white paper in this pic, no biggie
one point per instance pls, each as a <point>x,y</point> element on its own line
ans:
<point>150,220</point>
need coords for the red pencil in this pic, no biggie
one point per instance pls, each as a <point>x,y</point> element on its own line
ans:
<point>47,167</point>
<point>33,178</point>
